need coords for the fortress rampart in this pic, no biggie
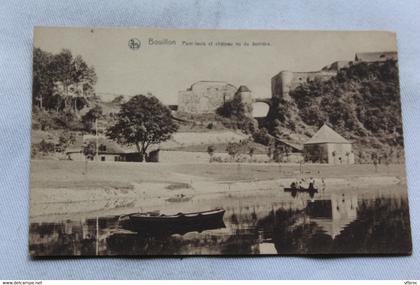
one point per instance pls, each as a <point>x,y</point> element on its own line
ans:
<point>206,96</point>
<point>286,81</point>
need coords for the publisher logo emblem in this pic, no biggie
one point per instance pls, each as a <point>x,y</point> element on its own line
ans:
<point>134,43</point>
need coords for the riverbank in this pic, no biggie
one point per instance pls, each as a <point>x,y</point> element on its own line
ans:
<point>62,188</point>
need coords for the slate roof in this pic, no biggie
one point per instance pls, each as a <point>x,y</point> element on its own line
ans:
<point>243,88</point>
<point>326,135</point>
<point>111,146</point>
<point>293,145</point>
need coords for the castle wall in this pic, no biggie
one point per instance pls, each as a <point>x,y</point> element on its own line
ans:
<point>286,81</point>
<point>375,56</point>
<point>205,97</point>
<point>337,65</point>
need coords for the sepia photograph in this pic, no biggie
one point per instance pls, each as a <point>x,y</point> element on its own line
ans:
<point>160,142</point>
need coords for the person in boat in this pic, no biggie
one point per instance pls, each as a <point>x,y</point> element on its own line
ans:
<point>300,184</point>
<point>311,183</point>
<point>323,184</point>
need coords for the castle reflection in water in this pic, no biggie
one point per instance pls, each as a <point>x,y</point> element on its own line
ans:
<point>344,223</point>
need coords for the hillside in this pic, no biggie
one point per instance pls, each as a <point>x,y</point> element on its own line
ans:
<point>362,103</point>
<point>200,141</point>
<point>195,134</point>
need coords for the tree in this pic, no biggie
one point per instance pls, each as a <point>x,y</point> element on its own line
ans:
<point>142,121</point>
<point>270,151</point>
<point>277,153</point>
<point>262,136</point>
<point>210,151</point>
<point>74,79</point>
<point>286,153</point>
<point>61,81</point>
<point>237,114</point>
<point>334,154</point>
<point>91,116</point>
<point>374,158</point>
<point>89,151</point>
<point>66,139</point>
<point>361,157</point>
<point>348,157</point>
<point>251,151</point>
<point>46,147</point>
<point>233,149</point>
<point>42,78</point>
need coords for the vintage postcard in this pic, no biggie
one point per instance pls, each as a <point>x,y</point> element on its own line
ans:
<point>216,142</point>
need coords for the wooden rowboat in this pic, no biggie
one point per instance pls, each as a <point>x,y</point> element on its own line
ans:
<point>301,189</point>
<point>155,223</point>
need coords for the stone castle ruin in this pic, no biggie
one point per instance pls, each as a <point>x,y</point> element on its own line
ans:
<point>286,81</point>
<point>206,96</point>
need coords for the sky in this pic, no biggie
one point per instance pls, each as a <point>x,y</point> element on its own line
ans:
<point>163,70</point>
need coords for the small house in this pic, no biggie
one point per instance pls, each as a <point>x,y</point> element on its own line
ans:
<point>327,146</point>
<point>287,151</point>
<point>107,150</point>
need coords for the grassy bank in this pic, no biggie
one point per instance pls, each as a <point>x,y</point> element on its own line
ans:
<point>62,174</point>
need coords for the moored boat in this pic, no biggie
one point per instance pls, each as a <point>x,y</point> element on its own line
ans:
<point>300,189</point>
<point>154,223</point>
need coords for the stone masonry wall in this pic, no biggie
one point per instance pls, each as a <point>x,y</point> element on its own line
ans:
<point>205,96</point>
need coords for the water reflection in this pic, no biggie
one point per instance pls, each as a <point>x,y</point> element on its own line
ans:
<point>318,223</point>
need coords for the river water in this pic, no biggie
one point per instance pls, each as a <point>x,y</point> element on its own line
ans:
<point>333,221</point>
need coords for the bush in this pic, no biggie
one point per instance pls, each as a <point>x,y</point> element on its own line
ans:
<point>68,120</point>
<point>34,150</point>
<point>262,136</point>
<point>42,148</point>
<point>89,118</point>
<point>235,115</point>
<point>233,149</point>
<point>217,159</point>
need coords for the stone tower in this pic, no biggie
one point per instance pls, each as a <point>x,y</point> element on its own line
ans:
<point>246,97</point>
<point>281,84</point>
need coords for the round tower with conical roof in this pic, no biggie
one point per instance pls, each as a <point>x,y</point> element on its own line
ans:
<point>246,97</point>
